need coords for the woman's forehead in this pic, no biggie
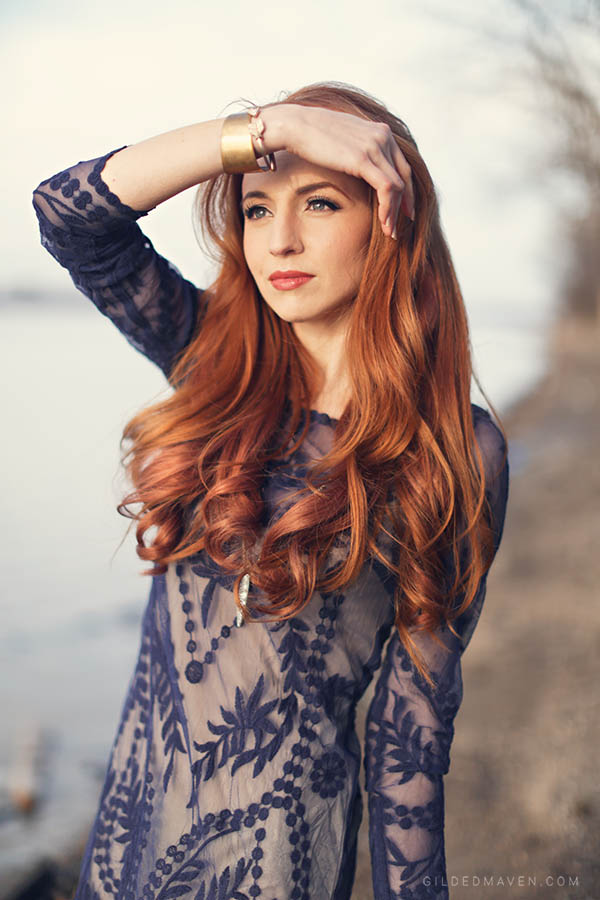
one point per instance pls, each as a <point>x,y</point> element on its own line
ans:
<point>293,172</point>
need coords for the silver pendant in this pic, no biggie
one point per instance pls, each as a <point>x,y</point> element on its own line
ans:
<point>244,588</point>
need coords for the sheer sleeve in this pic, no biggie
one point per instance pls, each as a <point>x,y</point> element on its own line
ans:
<point>87,229</point>
<point>410,728</point>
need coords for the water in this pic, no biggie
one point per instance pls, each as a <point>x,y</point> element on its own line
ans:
<point>71,603</point>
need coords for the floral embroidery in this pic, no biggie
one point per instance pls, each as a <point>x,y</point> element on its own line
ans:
<point>328,774</point>
<point>248,717</point>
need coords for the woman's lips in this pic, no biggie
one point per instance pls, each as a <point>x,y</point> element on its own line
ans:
<point>288,282</point>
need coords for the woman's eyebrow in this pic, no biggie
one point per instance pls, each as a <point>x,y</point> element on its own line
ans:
<point>306,189</point>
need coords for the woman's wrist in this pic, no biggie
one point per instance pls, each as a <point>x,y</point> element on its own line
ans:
<point>278,121</point>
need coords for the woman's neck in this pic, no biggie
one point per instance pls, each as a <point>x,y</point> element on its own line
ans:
<point>327,346</point>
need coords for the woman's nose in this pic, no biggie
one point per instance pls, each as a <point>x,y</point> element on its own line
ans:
<point>285,235</point>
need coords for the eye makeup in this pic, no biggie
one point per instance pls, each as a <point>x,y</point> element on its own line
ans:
<point>248,210</point>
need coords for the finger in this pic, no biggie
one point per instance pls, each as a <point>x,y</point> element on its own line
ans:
<point>381,173</point>
<point>394,164</point>
<point>400,180</point>
<point>400,198</point>
<point>388,187</point>
<point>401,164</point>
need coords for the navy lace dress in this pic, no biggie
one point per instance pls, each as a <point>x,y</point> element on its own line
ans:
<point>234,772</point>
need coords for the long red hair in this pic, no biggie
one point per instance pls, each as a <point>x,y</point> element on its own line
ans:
<point>404,457</point>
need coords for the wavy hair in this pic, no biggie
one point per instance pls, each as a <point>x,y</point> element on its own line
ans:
<point>404,460</point>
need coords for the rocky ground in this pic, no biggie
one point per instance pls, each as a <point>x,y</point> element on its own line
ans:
<point>522,795</point>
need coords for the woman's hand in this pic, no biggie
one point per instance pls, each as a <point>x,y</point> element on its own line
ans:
<point>347,143</point>
<point>145,174</point>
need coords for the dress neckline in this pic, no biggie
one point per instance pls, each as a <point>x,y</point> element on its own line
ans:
<point>322,418</point>
<point>314,415</point>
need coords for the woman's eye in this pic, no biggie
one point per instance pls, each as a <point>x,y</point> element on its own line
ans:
<point>329,204</point>
<point>248,212</point>
<point>258,212</point>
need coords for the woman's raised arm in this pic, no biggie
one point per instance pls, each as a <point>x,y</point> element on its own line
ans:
<point>145,174</point>
<point>88,212</point>
<point>92,233</point>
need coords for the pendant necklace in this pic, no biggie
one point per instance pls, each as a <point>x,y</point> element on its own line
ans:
<point>243,592</point>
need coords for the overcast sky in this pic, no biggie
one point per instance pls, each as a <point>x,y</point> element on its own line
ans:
<point>84,79</point>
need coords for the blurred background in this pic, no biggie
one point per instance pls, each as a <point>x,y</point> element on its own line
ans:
<point>503,99</point>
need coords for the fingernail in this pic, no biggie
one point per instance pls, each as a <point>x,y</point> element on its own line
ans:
<point>395,234</point>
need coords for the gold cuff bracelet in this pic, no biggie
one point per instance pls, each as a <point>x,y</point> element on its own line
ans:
<point>237,149</point>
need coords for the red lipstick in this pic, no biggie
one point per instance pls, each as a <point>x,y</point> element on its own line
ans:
<point>288,280</point>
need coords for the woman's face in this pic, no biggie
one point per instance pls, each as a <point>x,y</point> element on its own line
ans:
<point>309,219</point>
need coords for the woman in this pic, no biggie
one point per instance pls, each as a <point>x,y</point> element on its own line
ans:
<point>316,482</point>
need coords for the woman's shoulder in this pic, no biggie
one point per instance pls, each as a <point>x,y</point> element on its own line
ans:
<point>492,444</point>
<point>479,411</point>
<point>486,429</point>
